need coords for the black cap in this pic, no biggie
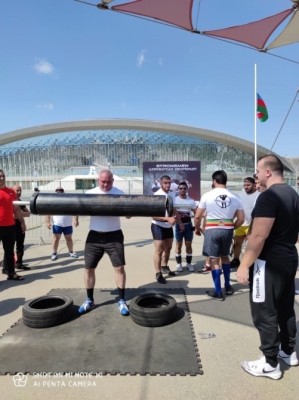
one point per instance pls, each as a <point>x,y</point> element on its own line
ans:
<point>249,179</point>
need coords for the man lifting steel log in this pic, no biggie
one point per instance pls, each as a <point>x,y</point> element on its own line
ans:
<point>105,236</point>
<point>104,204</point>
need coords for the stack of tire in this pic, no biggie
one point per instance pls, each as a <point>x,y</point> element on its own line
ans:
<point>153,309</point>
<point>47,311</point>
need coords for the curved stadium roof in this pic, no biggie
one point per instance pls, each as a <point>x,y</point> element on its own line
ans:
<point>135,124</point>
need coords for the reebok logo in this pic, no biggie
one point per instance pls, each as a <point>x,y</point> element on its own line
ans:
<point>257,288</point>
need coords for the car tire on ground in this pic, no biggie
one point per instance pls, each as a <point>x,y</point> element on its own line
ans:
<point>153,309</point>
<point>47,311</point>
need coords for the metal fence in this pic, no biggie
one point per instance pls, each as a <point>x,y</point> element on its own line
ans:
<point>37,228</point>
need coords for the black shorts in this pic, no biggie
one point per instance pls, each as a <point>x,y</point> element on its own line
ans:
<point>160,233</point>
<point>98,243</point>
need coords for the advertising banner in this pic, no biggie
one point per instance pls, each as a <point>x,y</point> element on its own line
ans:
<point>178,171</point>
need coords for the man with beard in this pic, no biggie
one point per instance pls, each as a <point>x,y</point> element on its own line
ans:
<point>163,234</point>
<point>271,260</point>
<point>248,198</point>
<point>222,206</point>
<point>185,214</point>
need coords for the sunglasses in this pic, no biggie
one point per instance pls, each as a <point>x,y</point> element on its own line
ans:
<point>59,191</point>
<point>182,188</point>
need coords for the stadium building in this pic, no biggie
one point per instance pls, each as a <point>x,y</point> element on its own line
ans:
<point>54,151</point>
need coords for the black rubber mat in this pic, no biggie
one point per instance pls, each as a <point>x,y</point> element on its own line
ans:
<point>104,341</point>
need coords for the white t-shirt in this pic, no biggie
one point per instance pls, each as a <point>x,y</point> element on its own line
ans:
<point>62,221</point>
<point>163,224</point>
<point>185,213</point>
<point>248,201</point>
<point>101,223</point>
<point>220,204</point>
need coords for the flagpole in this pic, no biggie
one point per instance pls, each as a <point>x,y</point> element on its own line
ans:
<point>255,108</point>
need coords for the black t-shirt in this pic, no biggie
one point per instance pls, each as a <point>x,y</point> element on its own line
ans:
<point>281,202</point>
<point>23,208</point>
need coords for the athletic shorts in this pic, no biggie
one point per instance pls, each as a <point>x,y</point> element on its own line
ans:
<point>217,242</point>
<point>66,230</point>
<point>98,243</point>
<point>160,233</point>
<point>241,231</point>
<point>187,233</point>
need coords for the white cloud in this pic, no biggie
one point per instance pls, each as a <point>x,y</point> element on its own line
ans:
<point>42,66</point>
<point>141,58</point>
<point>47,106</point>
<point>160,61</point>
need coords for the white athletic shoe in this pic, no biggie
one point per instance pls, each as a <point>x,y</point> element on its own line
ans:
<point>179,268</point>
<point>262,368</point>
<point>73,254</point>
<point>190,267</point>
<point>288,359</point>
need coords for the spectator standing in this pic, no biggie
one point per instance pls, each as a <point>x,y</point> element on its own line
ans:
<point>20,235</point>
<point>180,202</point>
<point>7,227</point>
<point>62,225</point>
<point>221,206</point>
<point>248,198</point>
<point>271,260</point>
<point>163,234</point>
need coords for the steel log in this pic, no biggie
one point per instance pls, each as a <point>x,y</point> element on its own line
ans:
<point>100,204</point>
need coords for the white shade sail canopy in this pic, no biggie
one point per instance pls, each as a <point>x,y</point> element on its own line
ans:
<point>289,35</point>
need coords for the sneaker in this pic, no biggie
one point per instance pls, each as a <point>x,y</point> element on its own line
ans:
<point>216,296</point>
<point>73,255</point>
<point>206,268</point>
<point>288,359</point>
<point>166,270</point>
<point>160,278</point>
<point>23,267</point>
<point>190,267</point>
<point>179,268</point>
<point>53,257</point>
<point>229,290</point>
<point>123,308</point>
<point>262,368</point>
<point>235,263</point>
<point>86,306</point>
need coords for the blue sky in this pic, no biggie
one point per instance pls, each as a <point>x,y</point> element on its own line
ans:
<point>62,60</point>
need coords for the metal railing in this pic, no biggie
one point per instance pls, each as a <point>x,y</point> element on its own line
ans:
<point>37,228</point>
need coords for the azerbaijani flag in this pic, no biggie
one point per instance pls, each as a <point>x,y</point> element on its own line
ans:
<point>262,112</point>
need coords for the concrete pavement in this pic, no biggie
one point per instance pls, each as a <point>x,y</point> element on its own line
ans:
<point>221,356</point>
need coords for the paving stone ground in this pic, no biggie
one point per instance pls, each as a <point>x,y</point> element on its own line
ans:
<point>235,340</point>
